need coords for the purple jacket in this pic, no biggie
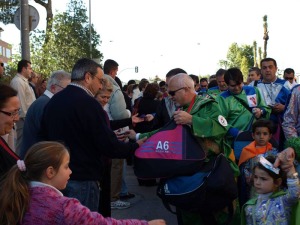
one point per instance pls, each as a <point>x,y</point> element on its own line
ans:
<point>48,206</point>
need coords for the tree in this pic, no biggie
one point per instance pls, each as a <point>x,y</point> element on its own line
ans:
<point>240,57</point>
<point>68,41</point>
<point>259,54</point>
<point>266,34</point>
<point>255,54</point>
<point>9,7</point>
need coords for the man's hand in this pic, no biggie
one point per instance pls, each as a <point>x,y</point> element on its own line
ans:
<point>121,136</point>
<point>149,117</point>
<point>141,141</point>
<point>131,134</point>
<point>278,108</point>
<point>136,119</point>
<point>182,117</point>
<point>257,112</point>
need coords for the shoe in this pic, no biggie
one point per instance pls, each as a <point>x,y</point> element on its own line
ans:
<point>128,196</point>
<point>119,205</point>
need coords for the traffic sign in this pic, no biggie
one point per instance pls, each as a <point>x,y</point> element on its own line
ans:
<point>34,18</point>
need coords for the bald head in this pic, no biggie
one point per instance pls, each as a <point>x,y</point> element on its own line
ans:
<point>182,80</point>
<point>181,89</point>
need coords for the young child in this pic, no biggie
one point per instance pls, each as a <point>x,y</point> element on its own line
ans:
<point>261,133</point>
<point>272,205</point>
<point>32,193</point>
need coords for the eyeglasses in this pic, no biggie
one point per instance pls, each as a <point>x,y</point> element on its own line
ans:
<point>289,78</point>
<point>172,93</point>
<point>104,97</point>
<point>11,114</point>
<point>2,64</point>
<point>59,86</point>
<point>101,80</point>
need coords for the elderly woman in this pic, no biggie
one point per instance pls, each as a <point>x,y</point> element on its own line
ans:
<point>9,114</point>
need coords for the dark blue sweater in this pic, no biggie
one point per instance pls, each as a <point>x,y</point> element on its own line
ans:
<point>78,120</point>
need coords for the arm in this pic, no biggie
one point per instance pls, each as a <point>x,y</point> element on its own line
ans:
<point>208,117</point>
<point>20,87</point>
<point>265,110</point>
<point>77,214</point>
<point>291,116</point>
<point>117,105</point>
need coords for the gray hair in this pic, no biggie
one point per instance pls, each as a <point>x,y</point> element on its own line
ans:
<point>183,80</point>
<point>57,77</point>
<point>83,66</point>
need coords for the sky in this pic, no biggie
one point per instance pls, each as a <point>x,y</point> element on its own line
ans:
<point>160,35</point>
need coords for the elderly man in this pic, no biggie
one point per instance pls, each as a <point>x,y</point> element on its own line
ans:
<point>206,121</point>
<point>75,117</point>
<point>57,82</point>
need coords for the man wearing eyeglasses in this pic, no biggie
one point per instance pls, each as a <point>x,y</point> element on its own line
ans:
<point>56,83</point>
<point>289,76</point>
<point>73,116</point>
<point>25,94</point>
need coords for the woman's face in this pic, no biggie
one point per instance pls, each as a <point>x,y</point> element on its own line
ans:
<point>12,107</point>
<point>103,97</point>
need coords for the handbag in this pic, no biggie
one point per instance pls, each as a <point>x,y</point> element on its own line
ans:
<point>172,151</point>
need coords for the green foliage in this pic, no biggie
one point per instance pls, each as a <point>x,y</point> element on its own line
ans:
<point>68,41</point>
<point>240,57</point>
<point>7,10</point>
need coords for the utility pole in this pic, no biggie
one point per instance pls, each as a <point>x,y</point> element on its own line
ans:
<point>90,26</point>
<point>25,30</point>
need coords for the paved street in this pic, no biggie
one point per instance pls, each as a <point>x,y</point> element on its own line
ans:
<point>146,205</point>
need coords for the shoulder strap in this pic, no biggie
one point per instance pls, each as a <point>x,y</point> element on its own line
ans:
<point>243,103</point>
<point>7,149</point>
<point>247,107</point>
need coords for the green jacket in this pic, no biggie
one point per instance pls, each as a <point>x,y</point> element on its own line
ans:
<point>209,126</point>
<point>237,116</point>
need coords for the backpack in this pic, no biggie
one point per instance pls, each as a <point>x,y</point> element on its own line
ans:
<point>172,151</point>
<point>209,190</point>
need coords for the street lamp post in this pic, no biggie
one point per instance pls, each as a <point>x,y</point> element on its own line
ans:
<point>90,26</point>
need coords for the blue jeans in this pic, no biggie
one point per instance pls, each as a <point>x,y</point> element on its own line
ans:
<point>87,192</point>
<point>124,189</point>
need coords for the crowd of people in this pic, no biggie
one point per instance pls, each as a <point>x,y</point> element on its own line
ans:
<point>70,144</point>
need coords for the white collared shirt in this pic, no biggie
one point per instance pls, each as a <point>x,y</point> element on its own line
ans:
<point>25,93</point>
<point>41,184</point>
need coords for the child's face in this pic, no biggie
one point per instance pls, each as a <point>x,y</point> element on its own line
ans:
<point>62,176</point>
<point>263,182</point>
<point>261,136</point>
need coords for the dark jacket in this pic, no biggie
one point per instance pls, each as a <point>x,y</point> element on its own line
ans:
<point>7,158</point>
<point>78,120</point>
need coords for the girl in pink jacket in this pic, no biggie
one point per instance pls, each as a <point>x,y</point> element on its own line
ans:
<point>30,192</point>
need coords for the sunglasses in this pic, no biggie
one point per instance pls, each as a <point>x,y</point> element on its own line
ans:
<point>172,93</point>
<point>289,78</point>
<point>2,64</point>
